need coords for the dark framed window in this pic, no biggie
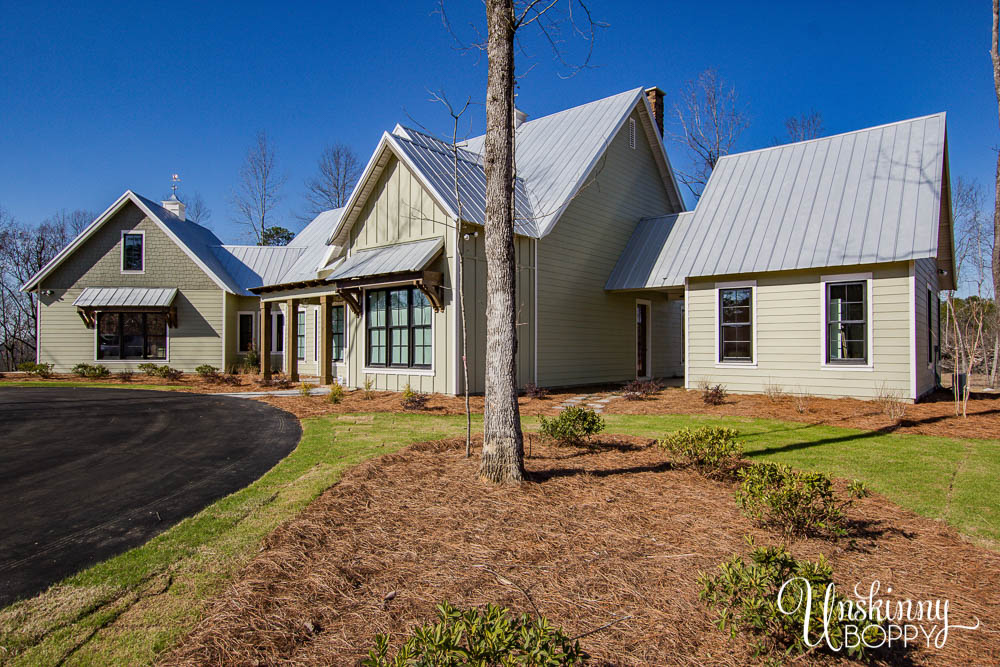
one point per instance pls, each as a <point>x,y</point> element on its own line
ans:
<point>132,254</point>
<point>300,335</point>
<point>246,321</point>
<point>128,335</point>
<point>846,323</point>
<point>278,337</point>
<point>930,326</point>
<point>736,325</point>
<point>337,332</point>
<point>398,328</point>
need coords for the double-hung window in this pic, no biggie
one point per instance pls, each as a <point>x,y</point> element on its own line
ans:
<point>131,335</point>
<point>337,332</point>
<point>398,328</point>
<point>847,322</point>
<point>246,327</point>
<point>930,326</point>
<point>300,336</point>
<point>736,325</point>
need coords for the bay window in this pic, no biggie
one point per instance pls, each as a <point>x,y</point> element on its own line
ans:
<point>398,328</point>
<point>131,335</point>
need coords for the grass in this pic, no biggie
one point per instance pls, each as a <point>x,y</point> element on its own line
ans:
<point>85,383</point>
<point>130,608</point>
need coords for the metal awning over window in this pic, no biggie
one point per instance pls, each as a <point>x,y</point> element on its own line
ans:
<point>399,264</point>
<point>144,299</point>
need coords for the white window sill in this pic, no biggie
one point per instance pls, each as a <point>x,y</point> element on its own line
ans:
<point>132,273</point>
<point>865,368</point>
<point>734,365</point>
<point>398,371</point>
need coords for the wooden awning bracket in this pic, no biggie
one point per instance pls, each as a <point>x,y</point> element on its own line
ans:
<point>89,314</point>
<point>350,297</point>
<point>428,282</point>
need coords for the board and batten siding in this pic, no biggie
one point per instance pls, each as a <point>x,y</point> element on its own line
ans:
<point>399,209</point>
<point>474,290</point>
<point>585,334</point>
<point>789,335</point>
<point>925,273</point>
<point>65,341</point>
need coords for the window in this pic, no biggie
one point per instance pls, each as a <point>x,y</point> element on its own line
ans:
<point>246,327</point>
<point>631,133</point>
<point>337,332</point>
<point>131,335</point>
<point>132,252</point>
<point>846,323</point>
<point>398,323</point>
<point>277,332</point>
<point>300,335</point>
<point>930,328</point>
<point>736,325</point>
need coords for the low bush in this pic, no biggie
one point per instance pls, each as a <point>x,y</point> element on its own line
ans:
<point>637,390</point>
<point>38,370</point>
<point>231,379</point>
<point>207,372</point>
<point>413,400</point>
<point>797,503</point>
<point>712,449</point>
<point>489,636</point>
<point>152,370</point>
<point>126,375</point>
<point>801,401</point>
<point>572,425</point>
<point>336,394</point>
<point>160,371</point>
<point>305,389</point>
<point>773,391</point>
<point>714,395</point>
<point>746,596</point>
<point>532,390</point>
<point>368,393</point>
<point>91,371</point>
<point>889,402</point>
<point>251,361</point>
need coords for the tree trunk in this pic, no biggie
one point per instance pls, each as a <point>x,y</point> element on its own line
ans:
<point>995,55</point>
<point>503,444</point>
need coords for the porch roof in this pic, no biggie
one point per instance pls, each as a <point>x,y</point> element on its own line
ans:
<point>398,258</point>
<point>126,297</point>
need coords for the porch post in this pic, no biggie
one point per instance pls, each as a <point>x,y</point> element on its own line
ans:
<point>265,340</point>
<point>292,339</point>
<point>325,341</point>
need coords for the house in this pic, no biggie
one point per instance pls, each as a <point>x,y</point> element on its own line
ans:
<point>141,284</point>
<point>814,266</point>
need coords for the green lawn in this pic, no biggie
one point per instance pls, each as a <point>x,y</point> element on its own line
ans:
<point>85,383</point>
<point>131,607</point>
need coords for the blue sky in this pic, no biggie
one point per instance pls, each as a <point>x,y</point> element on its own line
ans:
<point>98,98</point>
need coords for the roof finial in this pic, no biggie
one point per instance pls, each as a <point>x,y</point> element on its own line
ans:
<point>175,179</point>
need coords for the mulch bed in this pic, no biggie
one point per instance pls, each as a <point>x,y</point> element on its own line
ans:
<point>596,535</point>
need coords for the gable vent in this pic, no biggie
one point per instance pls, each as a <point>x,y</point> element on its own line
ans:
<point>631,133</point>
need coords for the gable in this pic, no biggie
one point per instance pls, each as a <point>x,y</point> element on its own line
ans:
<point>96,262</point>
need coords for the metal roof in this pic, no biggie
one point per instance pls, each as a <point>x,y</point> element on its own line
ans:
<point>863,197</point>
<point>398,258</point>
<point>105,297</point>
<point>253,266</point>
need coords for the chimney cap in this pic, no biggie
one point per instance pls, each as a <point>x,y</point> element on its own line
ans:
<point>519,117</point>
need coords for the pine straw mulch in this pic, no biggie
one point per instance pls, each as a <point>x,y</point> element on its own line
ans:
<point>934,415</point>
<point>596,536</point>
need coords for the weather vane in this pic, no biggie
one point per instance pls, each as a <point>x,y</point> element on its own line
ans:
<point>176,178</point>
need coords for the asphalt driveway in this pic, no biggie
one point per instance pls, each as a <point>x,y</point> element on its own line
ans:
<point>89,473</point>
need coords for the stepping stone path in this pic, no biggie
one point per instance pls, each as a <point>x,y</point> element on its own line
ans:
<point>596,402</point>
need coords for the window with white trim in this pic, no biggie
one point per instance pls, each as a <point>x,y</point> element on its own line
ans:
<point>246,322</point>
<point>277,331</point>
<point>337,328</point>
<point>300,336</point>
<point>131,335</point>
<point>736,325</point>
<point>847,322</point>
<point>133,252</point>
<point>398,328</point>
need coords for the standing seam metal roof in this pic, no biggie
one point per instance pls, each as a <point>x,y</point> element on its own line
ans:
<point>863,197</point>
<point>148,297</point>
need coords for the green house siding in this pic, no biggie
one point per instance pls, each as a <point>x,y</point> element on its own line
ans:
<point>65,341</point>
<point>585,334</point>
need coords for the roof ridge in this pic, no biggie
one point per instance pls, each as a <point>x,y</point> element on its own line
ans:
<point>459,147</point>
<point>834,136</point>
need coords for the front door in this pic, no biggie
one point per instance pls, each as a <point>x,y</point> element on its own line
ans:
<point>641,339</point>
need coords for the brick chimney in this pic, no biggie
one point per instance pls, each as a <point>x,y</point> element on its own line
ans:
<point>655,97</point>
<point>175,206</point>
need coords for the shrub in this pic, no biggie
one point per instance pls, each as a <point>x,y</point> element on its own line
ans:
<point>572,425</point>
<point>336,394</point>
<point>714,395</point>
<point>801,401</point>
<point>38,370</point>
<point>231,379</point>
<point>152,370</point>
<point>168,373</point>
<point>125,375</point>
<point>489,636</point>
<point>889,402</point>
<point>91,371</point>
<point>773,391</point>
<point>251,360</point>
<point>305,389</point>
<point>207,372</point>
<point>413,400</point>
<point>711,449</point>
<point>798,503</point>
<point>368,393</point>
<point>637,390</point>
<point>532,390</point>
<point>746,597</point>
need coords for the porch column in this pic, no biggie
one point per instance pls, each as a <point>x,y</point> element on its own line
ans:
<point>325,341</point>
<point>265,340</point>
<point>292,339</point>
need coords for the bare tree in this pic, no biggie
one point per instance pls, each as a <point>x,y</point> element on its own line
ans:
<point>804,127</point>
<point>995,55</point>
<point>338,171</point>
<point>259,190</point>
<point>196,210</point>
<point>711,120</point>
